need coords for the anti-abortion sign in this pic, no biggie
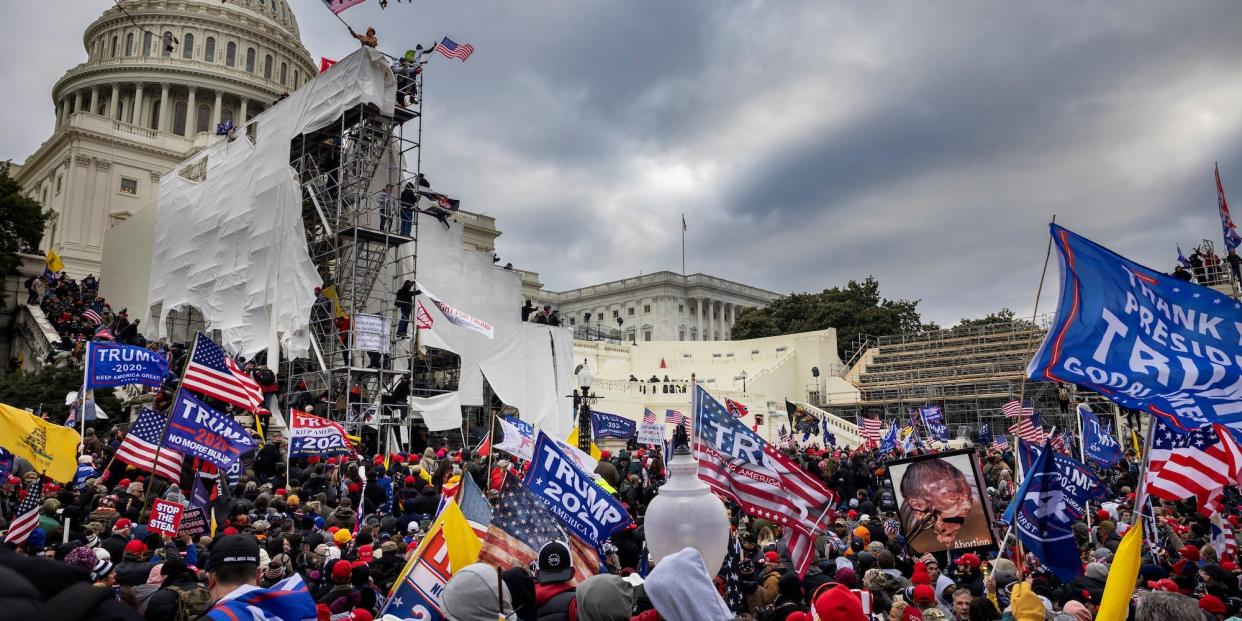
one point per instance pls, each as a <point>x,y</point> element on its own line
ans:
<point>605,425</point>
<point>194,522</point>
<point>1145,340</point>
<point>312,435</point>
<point>198,430</point>
<point>109,365</point>
<point>165,517</point>
<point>572,495</point>
<point>651,433</point>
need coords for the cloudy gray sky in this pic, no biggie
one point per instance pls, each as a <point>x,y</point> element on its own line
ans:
<point>807,143</point>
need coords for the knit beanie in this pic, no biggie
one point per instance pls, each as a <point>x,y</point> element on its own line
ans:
<point>838,604</point>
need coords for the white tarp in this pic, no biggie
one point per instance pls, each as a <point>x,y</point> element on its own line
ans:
<point>233,244</point>
<point>441,412</point>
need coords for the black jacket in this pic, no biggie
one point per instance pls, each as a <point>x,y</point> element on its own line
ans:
<point>165,603</point>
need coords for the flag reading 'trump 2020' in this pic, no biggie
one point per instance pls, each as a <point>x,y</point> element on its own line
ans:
<point>1143,339</point>
<point>572,495</point>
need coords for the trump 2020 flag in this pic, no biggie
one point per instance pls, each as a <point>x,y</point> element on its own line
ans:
<point>1144,340</point>
<point>572,495</point>
<point>890,440</point>
<point>1101,448</point>
<point>198,430</point>
<point>110,364</point>
<point>605,425</point>
<point>314,435</point>
<point>933,419</point>
<point>1043,513</point>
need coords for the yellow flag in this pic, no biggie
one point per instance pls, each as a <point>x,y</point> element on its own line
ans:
<point>330,293</point>
<point>51,449</point>
<point>1138,451</point>
<point>1115,604</point>
<point>572,440</point>
<point>53,261</point>
<point>463,545</point>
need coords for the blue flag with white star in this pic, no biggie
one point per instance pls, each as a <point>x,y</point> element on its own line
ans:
<point>1043,513</point>
<point>1143,339</point>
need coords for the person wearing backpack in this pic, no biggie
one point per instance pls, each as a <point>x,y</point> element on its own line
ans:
<point>789,600</point>
<point>181,596</point>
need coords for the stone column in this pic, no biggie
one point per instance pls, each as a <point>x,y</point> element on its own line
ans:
<point>135,111</point>
<point>162,123</point>
<point>241,117</point>
<point>112,101</point>
<point>77,101</point>
<point>216,111</point>
<point>191,113</point>
<point>95,100</point>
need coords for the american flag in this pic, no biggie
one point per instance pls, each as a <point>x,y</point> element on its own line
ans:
<point>1059,444</point>
<point>451,49</point>
<point>92,316</point>
<point>142,443</point>
<point>1026,430</point>
<point>1000,442</point>
<point>104,334</point>
<point>1222,538</point>
<point>784,439</point>
<point>673,417</point>
<point>768,485</point>
<point>733,595</point>
<point>736,409</point>
<point>1201,463</point>
<point>27,515</point>
<point>213,373</point>
<point>1014,408</point>
<point>870,429</point>
<point>474,506</point>
<point>648,416</point>
<point>521,525</point>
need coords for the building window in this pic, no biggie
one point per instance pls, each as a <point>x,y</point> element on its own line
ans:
<point>59,179</point>
<point>267,67</point>
<point>44,196</point>
<point>297,78</point>
<point>681,333</point>
<point>226,115</point>
<point>572,321</point>
<point>681,308</point>
<point>646,335</point>
<point>629,311</point>
<point>155,114</point>
<point>209,50</point>
<point>284,72</point>
<point>146,44</point>
<point>230,54</point>
<point>179,118</point>
<point>114,42</point>
<point>204,118</point>
<point>646,308</point>
<point>250,59</point>
<point>187,45</point>
<point>129,186</point>
<point>616,313</point>
<point>168,45</point>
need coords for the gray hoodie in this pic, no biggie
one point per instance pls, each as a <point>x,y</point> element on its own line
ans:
<point>681,590</point>
<point>605,597</point>
<point>470,595</point>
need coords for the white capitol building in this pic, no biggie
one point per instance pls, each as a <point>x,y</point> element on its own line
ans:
<point>158,77</point>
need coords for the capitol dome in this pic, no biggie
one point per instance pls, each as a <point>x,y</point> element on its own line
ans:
<point>159,76</point>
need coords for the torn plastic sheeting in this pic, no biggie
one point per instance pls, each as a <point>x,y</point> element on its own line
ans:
<point>441,412</point>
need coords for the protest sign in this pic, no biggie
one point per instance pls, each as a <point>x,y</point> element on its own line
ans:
<point>651,433</point>
<point>572,495</point>
<point>165,517</point>
<point>198,430</point>
<point>605,425</point>
<point>194,522</point>
<point>110,364</point>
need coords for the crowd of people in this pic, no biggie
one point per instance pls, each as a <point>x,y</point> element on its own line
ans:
<point>348,524</point>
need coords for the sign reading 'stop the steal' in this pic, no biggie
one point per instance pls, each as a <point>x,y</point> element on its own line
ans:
<point>572,495</point>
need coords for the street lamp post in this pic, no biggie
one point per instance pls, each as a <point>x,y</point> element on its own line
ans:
<point>685,512</point>
<point>582,401</point>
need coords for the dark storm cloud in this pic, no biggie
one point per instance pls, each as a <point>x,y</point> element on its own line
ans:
<point>808,143</point>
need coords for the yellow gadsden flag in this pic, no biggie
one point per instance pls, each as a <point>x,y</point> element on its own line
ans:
<point>51,449</point>
<point>54,264</point>
<point>1115,604</point>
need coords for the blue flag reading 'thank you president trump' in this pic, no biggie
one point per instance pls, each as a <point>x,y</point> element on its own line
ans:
<point>1145,340</point>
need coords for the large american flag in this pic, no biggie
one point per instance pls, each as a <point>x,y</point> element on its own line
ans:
<point>1014,408</point>
<point>870,429</point>
<point>213,373</point>
<point>673,417</point>
<point>1026,430</point>
<point>1000,442</point>
<point>92,316</point>
<point>27,515</point>
<point>648,416</point>
<point>736,463</point>
<point>521,525</point>
<point>451,49</point>
<point>144,440</point>
<point>1201,464</point>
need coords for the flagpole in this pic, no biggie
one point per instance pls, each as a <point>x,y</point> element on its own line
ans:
<point>683,244</point>
<point>1082,456</point>
<point>86,369</point>
<point>164,433</point>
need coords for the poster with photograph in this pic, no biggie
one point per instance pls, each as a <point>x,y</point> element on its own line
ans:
<point>940,501</point>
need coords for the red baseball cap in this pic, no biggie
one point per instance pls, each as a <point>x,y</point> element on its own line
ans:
<point>342,569</point>
<point>969,559</point>
<point>771,557</point>
<point>924,595</point>
<point>1212,604</point>
<point>122,523</point>
<point>123,483</point>
<point>1163,584</point>
<point>135,547</point>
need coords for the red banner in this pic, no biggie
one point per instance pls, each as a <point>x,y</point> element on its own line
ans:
<point>325,64</point>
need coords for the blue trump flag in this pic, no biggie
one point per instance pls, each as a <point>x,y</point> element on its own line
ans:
<point>1043,513</point>
<point>572,495</point>
<point>890,441</point>
<point>1070,468</point>
<point>1100,448</point>
<point>109,365</point>
<point>933,419</point>
<point>605,425</point>
<point>1143,339</point>
<point>198,430</point>
<point>985,434</point>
